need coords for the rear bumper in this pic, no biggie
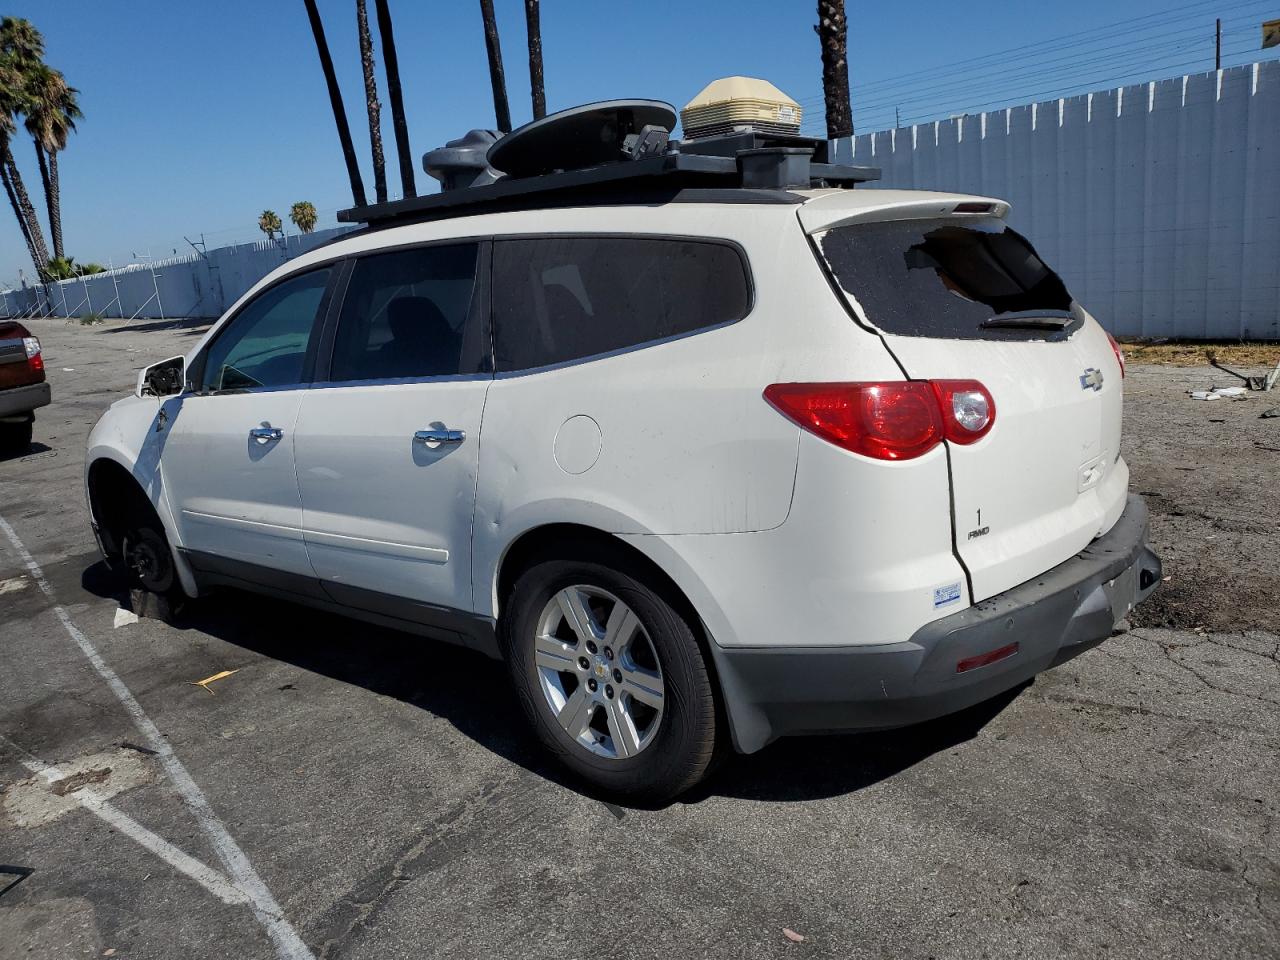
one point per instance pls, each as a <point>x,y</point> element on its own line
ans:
<point>15,400</point>
<point>772,692</point>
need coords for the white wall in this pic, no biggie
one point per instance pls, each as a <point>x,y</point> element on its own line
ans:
<point>1158,203</point>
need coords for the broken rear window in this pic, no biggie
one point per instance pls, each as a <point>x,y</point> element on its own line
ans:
<point>948,278</point>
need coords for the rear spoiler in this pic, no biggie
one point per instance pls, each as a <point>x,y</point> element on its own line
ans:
<point>830,210</point>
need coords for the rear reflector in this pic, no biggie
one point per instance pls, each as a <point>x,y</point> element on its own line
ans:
<point>983,659</point>
<point>894,420</point>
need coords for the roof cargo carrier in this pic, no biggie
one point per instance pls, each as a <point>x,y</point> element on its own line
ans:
<point>613,152</point>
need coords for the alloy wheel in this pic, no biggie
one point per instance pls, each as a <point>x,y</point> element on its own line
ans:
<point>599,672</point>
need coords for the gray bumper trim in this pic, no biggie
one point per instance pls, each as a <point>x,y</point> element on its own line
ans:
<point>771,692</point>
<point>24,399</point>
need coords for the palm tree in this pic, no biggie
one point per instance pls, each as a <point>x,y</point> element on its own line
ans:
<point>371,102</point>
<point>833,35</point>
<point>496,78</point>
<point>52,111</point>
<point>303,215</point>
<point>391,62</point>
<point>269,223</point>
<point>21,48</point>
<point>533,21</point>
<point>335,101</point>
<point>22,42</point>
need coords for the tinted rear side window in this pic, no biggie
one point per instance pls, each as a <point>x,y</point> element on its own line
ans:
<point>406,314</point>
<point>564,298</point>
<point>935,278</point>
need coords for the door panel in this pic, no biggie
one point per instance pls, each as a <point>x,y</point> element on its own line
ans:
<point>233,495</point>
<point>383,511</point>
<point>387,446</point>
<point>228,458</point>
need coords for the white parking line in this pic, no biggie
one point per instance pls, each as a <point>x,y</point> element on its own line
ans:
<point>288,944</point>
<point>201,873</point>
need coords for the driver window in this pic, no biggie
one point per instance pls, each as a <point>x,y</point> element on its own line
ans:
<point>265,345</point>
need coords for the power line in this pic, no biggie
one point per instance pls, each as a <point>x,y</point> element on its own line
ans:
<point>1001,72</point>
<point>1067,41</point>
<point>1091,65</point>
<point>1056,92</point>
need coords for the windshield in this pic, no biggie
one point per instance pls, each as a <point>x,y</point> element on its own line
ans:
<point>949,278</point>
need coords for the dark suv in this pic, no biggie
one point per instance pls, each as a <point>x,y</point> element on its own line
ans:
<point>22,385</point>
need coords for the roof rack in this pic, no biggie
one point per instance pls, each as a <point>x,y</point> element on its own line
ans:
<point>645,167</point>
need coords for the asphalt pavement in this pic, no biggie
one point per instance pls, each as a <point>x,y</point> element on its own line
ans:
<point>353,792</point>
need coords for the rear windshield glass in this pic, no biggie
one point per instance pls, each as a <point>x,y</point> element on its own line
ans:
<point>934,278</point>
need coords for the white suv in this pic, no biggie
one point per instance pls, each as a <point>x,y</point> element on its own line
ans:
<point>737,464</point>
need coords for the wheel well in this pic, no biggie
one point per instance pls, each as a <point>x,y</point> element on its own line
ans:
<point>570,540</point>
<point>115,498</point>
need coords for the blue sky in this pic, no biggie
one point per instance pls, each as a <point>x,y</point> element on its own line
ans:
<point>199,115</point>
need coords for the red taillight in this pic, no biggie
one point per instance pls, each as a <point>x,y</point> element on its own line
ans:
<point>1115,348</point>
<point>888,421</point>
<point>34,360</point>
<point>897,420</point>
<point>982,659</point>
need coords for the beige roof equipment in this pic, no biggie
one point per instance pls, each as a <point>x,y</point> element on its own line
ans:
<point>735,104</point>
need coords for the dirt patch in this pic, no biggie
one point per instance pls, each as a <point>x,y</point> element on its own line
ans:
<point>77,780</point>
<point>39,800</point>
<point>1196,354</point>
<point>1207,472</point>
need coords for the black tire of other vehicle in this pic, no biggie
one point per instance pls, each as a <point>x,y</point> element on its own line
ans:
<point>154,590</point>
<point>15,437</point>
<point>685,743</point>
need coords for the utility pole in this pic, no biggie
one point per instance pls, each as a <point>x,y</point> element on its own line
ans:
<point>1217,44</point>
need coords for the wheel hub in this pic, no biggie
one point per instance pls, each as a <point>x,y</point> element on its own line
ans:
<point>599,672</point>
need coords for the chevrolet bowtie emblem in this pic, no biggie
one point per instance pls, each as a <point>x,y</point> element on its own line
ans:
<point>1091,379</point>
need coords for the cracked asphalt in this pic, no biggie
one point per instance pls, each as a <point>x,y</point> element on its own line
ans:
<point>381,786</point>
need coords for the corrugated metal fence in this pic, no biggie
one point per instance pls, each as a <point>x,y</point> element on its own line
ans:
<point>1158,203</point>
<point>194,285</point>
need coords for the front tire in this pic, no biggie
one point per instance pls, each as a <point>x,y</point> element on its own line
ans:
<point>154,589</point>
<point>609,672</point>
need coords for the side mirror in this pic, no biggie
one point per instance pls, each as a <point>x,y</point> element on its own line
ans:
<point>164,379</point>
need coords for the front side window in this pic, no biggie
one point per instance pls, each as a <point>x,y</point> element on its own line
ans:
<point>265,344</point>
<point>948,278</point>
<point>557,299</point>
<point>407,313</point>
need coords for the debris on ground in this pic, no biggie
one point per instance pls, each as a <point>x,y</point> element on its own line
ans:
<point>1220,393</point>
<point>1265,382</point>
<point>14,584</point>
<point>1273,412</point>
<point>220,675</point>
<point>792,935</point>
<point>78,781</point>
<point>124,617</point>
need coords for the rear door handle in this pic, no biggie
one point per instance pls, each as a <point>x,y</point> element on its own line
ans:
<point>265,435</point>
<point>433,438</point>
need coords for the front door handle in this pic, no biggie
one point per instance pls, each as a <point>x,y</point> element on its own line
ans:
<point>265,435</point>
<point>434,438</point>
